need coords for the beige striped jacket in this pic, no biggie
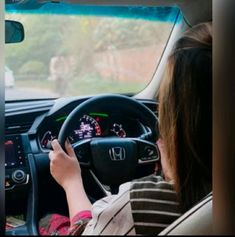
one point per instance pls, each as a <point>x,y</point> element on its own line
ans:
<point>142,207</point>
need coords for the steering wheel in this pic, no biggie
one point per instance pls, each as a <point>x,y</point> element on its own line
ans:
<point>114,159</point>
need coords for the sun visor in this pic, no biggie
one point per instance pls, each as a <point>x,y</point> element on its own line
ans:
<point>194,11</point>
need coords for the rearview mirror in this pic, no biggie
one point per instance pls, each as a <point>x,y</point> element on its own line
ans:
<point>14,31</point>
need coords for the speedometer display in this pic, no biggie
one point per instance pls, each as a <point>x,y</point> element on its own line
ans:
<point>91,125</point>
<point>87,127</point>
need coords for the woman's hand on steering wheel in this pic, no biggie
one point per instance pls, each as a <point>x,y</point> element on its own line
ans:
<point>64,168</point>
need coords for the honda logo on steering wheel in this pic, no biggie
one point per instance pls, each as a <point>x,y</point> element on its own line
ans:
<point>117,153</point>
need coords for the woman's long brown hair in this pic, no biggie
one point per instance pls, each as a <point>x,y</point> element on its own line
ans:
<point>186,114</point>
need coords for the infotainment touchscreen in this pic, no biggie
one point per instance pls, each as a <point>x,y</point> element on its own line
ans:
<point>13,152</point>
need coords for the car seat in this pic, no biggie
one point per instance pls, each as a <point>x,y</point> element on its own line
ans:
<point>196,221</point>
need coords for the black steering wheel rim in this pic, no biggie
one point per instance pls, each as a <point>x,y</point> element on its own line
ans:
<point>102,147</point>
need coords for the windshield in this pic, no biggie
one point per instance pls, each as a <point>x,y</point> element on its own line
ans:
<point>66,53</point>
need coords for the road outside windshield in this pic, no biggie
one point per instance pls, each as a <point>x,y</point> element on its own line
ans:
<point>71,55</point>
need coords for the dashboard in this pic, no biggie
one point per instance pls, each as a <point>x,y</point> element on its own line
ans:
<point>91,125</point>
<point>30,126</point>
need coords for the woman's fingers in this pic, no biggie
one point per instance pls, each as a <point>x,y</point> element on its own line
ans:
<point>56,145</point>
<point>51,155</point>
<point>58,152</point>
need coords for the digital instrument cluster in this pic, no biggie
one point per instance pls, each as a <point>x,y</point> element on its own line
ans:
<point>93,125</point>
<point>87,127</point>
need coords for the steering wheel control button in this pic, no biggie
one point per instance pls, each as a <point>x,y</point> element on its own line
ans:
<point>148,152</point>
<point>83,151</point>
<point>81,155</point>
<point>18,176</point>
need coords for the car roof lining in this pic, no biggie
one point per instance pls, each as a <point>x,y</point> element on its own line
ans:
<point>194,11</point>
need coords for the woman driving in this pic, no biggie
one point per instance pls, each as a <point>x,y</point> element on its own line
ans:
<point>148,205</point>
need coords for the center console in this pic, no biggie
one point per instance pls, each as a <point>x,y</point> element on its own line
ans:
<point>20,186</point>
<point>16,163</point>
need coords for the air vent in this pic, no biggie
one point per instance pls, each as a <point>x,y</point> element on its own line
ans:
<point>17,128</point>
